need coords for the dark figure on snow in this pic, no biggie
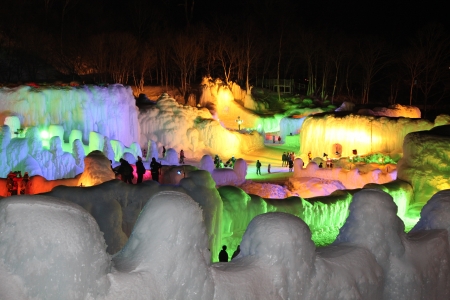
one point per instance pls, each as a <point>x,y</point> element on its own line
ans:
<point>154,169</point>
<point>238,250</point>
<point>233,160</point>
<point>182,156</point>
<point>284,159</point>
<point>291,165</point>
<point>223,255</point>
<point>10,184</point>
<point>268,168</point>
<point>279,139</point>
<point>140,169</point>
<point>126,171</point>
<point>164,152</point>
<point>217,161</point>
<point>24,183</point>
<point>258,167</point>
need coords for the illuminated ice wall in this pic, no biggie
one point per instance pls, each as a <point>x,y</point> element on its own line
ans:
<point>49,130</point>
<point>425,163</point>
<point>110,111</point>
<point>194,130</point>
<point>367,134</point>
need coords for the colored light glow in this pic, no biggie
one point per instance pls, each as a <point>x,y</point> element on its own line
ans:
<point>44,134</point>
<point>324,215</point>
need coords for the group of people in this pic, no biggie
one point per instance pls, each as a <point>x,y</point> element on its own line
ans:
<point>223,255</point>
<point>219,164</point>
<point>288,160</point>
<point>275,138</point>
<point>16,184</point>
<point>126,170</point>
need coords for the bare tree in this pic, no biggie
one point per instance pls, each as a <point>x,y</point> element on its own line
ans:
<point>372,59</point>
<point>112,56</point>
<point>251,50</point>
<point>337,52</point>
<point>413,60</point>
<point>226,52</point>
<point>310,50</point>
<point>185,53</point>
<point>146,60</point>
<point>435,46</point>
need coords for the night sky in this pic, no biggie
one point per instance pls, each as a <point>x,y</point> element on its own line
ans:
<point>66,34</point>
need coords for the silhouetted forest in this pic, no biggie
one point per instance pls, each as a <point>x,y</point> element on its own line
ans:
<point>176,42</point>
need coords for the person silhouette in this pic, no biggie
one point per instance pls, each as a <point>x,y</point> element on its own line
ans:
<point>258,167</point>
<point>223,255</point>
<point>238,250</point>
<point>126,171</point>
<point>140,169</point>
<point>182,156</point>
<point>154,169</point>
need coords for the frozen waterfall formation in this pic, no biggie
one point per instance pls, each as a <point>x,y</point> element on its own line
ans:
<point>49,130</point>
<point>167,256</point>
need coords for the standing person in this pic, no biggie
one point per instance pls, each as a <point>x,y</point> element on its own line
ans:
<point>24,183</point>
<point>182,156</point>
<point>154,169</point>
<point>268,168</point>
<point>164,152</point>
<point>140,169</point>
<point>238,250</point>
<point>291,165</point>
<point>284,159</point>
<point>223,255</point>
<point>279,139</point>
<point>10,183</point>
<point>126,171</point>
<point>258,167</point>
<point>233,160</point>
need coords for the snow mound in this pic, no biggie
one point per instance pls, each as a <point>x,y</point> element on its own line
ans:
<point>167,254</point>
<point>265,190</point>
<point>395,110</point>
<point>53,247</point>
<point>407,261</point>
<point>97,169</point>
<point>436,213</point>
<point>346,106</point>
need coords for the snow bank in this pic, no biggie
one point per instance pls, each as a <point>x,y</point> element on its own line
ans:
<point>116,205</point>
<point>395,111</point>
<point>349,179</point>
<point>167,257</point>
